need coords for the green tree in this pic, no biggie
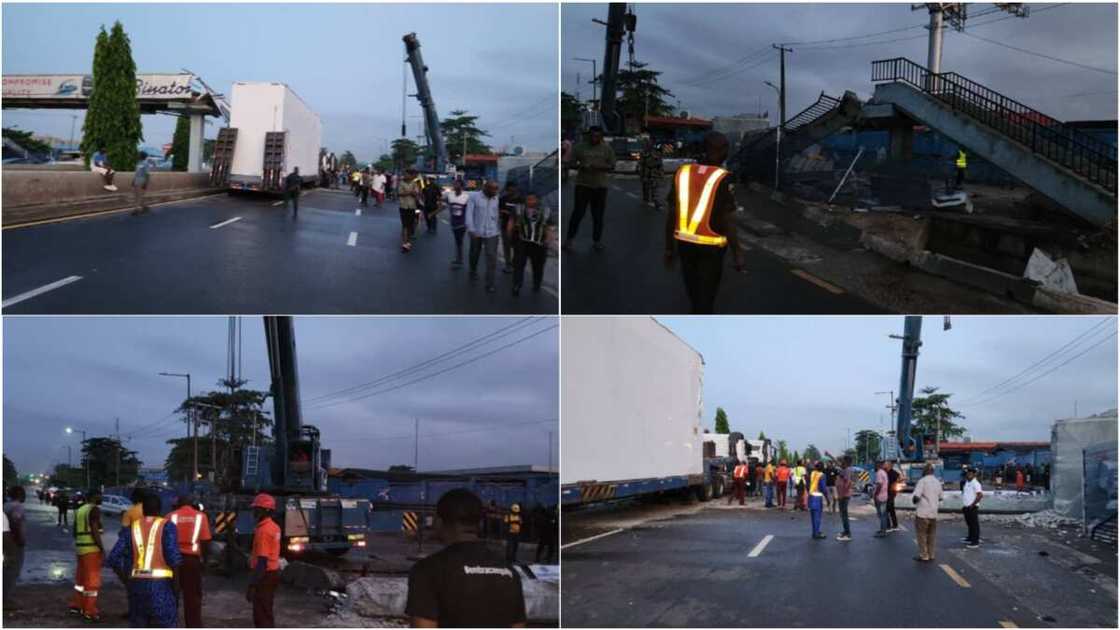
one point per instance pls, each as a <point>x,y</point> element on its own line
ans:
<point>933,416</point>
<point>812,453</point>
<point>26,140</point>
<point>783,452</point>
<point>571,113</point>
<point>460,128</point>
<point>640,94</point>
<point>867,446</point>
<point>761,435</point>
<point>851,452</point>
<point>10,472</point>
<point>384,162</point>
<point>113,115</point>
<point>70,476</point>
<point>348,159</point>
<point>796,458</point>
<point>100,454</point>
<point>237,418</point>
<point>180,144</point>
<point>722,426</point>
<point>405,152</point>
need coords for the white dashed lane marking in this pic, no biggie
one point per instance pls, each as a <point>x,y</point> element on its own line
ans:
<point>956,577</point>
<point>760,546</point>
<point>353,240</point>
<point>589,539</point>
<point>224,223</point>
<point>41,290</point>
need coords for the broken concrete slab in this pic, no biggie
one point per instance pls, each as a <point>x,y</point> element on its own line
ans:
<point>1056,275</point>
<point>310,576</point>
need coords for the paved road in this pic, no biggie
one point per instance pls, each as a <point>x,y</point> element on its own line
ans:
<point>731,567</point>
<point>629,277</point>
<point>245,254</point>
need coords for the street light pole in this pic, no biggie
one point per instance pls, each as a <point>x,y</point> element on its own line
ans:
<point>190,419</point>
<point>778,144</point>
<point>594,76</point>
<point>85,459</point>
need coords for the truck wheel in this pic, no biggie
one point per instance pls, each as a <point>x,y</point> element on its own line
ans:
<point>718,490</point>
<point>704,492</point>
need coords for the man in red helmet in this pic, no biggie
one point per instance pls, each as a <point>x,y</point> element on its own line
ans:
<point>264,561</point>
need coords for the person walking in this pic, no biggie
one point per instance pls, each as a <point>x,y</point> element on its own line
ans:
<point>483,228</point>
<point>768,484</point>
<point>264,562</point>
<point>194,544</point>
<point>513,532</point>
<point>99,164</point>
<point>465,584</point>
<point>892,490</point>
<point>970,502</point>
<point>62,504</point>
<point>17,535</point>
<point>880,497</point>
<point>739,479</point>
<point>145,558</point>
<point>365,181</point>
<point>703,227</point>
<point>530,230</point>
<point>356,182</point>
<point>431,195</point>
<point>593,161</point>
<point>650,169</point>
<point>830,474</point>
<point>817,493</point>
<point>783,481</point>
<point>844,479</point>
<point>91,554</point>
<point>799,474</point>
<point>456,202</point>
<point>293,183</point>
<point>377,187</point>
<point>547,529</point>
<point>408,200</point>
<point>509,204</point>
<point>927,498</point>
<point>140,180</point>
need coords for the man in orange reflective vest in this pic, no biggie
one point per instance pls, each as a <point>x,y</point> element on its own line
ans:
<point>146,556</point>
<point>703,227</point>
<point>739,478</point>
<point>194,543</point>
<point>264,562</point>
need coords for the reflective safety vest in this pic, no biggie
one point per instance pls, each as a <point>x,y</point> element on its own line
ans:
<point>147,549</point>
<point>815,484</point>
<point>514,521</point>
<point>696,194</point>
<point>83,538</point>
<point>798,474</point>
<point>189,522</point>
<point>740,471</point>
<point>962,159</point>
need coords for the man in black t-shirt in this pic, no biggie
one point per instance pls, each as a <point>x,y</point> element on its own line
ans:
<point>464,584</point>
<point>892,480</point>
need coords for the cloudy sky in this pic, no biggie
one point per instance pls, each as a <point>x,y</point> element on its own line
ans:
<point>495,411</point>
<point>344,60</point>
<point>716,57</point>
<point>809,379</point>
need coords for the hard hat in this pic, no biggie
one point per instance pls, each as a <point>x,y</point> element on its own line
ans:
<point>515,507</point>
<point>265,501</point>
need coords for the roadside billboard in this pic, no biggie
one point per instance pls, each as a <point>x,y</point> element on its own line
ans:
<point>149,87</point>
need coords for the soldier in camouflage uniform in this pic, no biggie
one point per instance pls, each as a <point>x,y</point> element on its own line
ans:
<point>649,169</point>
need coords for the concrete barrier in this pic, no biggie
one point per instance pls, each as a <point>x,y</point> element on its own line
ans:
<point>36,195</point>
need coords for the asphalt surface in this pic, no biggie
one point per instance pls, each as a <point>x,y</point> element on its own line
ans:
<point>248,255</point>
<point>695,569</point>
<point>629,276</point>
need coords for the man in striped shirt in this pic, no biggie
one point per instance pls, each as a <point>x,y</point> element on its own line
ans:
<point>529,229</point>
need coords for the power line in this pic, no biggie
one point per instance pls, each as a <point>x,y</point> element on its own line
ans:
<point>1091,330</point>
<point>460,432</point>
<point>1038,54</point>
<point>150,426</point>
<point>728,75</point>
<point>443,371</point>
<point>439,357</point>
<point>732,65</point>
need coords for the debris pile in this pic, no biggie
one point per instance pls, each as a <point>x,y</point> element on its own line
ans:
<point>1047,519</point>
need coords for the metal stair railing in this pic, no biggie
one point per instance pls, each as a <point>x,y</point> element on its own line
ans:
<point>1081,153</point>
<point>824,105</point>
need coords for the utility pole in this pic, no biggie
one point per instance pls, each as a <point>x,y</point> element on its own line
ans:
<point>782,50</point>
<point>416,448</point>
<point>190,418</point>
<point>118,449</point>
<point>73,122</point>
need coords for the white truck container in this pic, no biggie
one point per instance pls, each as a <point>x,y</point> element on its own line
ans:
<point>259,108</point>
<point>633,401</point>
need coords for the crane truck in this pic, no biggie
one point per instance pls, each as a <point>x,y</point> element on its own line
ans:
<point>424,95</point>
<point>633,400</point>
<point>912,453</point>
<point>293,468</point>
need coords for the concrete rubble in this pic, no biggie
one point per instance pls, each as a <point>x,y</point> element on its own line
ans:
<point>310,576</point>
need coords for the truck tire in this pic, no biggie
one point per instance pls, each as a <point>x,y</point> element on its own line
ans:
<point>717,492</point>
<point>704,492</point>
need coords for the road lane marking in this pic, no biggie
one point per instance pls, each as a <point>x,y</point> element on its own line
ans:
<point>1007,623</point>
<point>956,577</point>
<point>630,194</point>
<point>357,212</point>
<point>277,203</point>
<point>353,240</point>
<point>41,290</point>
<point>547,289</point>
<point>223,223</point>
<point>760,546</point>
<point>808,277</point>
<point>902,527</point>
<point>587,540</point>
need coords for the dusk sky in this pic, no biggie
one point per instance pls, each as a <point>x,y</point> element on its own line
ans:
<point>345,60</point>
<point>716,57</point>
<point>84,372</point>
<point>809,379</point>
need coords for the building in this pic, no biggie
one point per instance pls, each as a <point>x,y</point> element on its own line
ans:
<point>990,456</point>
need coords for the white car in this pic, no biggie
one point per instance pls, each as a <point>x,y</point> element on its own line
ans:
<point>114,504</point>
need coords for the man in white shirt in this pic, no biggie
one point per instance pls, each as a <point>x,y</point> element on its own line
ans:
<point>378,186</point>
<point>970,502</point>
<point>926,497</point>
<point>456,201</point>
<point>482,226</point>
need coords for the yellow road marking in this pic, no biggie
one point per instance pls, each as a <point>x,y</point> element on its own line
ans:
<point>956,577</point>
<point>1007,623</point>
<point>808,277</point>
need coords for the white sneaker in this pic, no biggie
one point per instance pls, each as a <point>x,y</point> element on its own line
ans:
<point>111,188</point>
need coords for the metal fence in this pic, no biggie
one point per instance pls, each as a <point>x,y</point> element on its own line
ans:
<point>1098,485</point>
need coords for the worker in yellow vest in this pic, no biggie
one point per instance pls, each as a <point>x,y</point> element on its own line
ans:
<point>513,532</point>
<point>962,166</point>
<point>739,478</point>
<point>91,553</point>
<point>818,496</point>
<point>146,556</point>
<point>703,227</point>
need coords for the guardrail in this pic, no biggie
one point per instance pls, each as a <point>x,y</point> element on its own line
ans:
<point>1088,157</point>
